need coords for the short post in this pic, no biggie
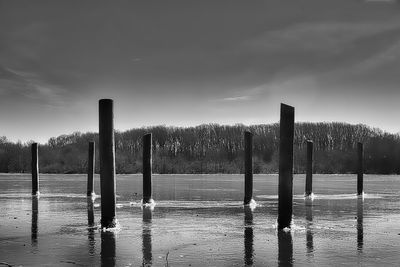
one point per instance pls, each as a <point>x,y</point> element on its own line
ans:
<point>309,171</point>
<point>285,198</point>
<point>248,167</point>
<point>90,170</point>
<point>107,163</point>
<point>147,158</point>
<point>360,169</point>
<point>35,169</point>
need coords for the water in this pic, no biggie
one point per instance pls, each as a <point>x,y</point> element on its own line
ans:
<point>199,220</point>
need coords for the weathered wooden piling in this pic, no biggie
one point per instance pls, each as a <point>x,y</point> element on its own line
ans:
<point>285,198</point>
<point>248,167</point>
<point>107,163</point>
<point>309,169</point>
<point>90,170</point>
<point>147,161</point>
<point>35,168</point>
<point>360,168</point>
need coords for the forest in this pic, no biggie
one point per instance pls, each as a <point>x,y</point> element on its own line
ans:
<point>213,148</point>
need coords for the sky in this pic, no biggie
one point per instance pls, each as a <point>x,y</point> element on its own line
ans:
<point>185,63</point>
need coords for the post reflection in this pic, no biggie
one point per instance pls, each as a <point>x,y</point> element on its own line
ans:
<point>35,214</point>
<point>360,227</point>
<point>285,249</point>
<point>108,248</point>
<point>146,237</point>
<point>248,236</point>
<point>91,228</point>
<point>309,233</point>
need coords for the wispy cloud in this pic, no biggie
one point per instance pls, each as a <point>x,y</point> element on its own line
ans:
<point>232,99</point>
<point>322,36</point>
<point>236,98</point>
<point>30,85</point>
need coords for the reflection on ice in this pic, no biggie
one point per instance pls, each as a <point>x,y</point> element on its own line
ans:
<point>248,236</point>
<point>360,227</point>
<point>327,196</point>
<point>285,248</point>
<point>146,236</point>
<point>91,228</point>
<point>108,248</point>
<point>34,225</point>
<point>309,233</point>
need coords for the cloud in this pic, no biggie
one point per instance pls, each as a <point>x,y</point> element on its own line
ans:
<point>236,98</point>
<point>30,85</point>
<point>329,37</point>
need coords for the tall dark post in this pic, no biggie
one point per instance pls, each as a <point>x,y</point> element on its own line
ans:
<point>285,199</point>
<point>360,168</point>
<point>147,158</point>
<point>107,163</point>
<point>35,169</point>
<point>309,171</point>
<point>248,167</point>
<point>91,160</point>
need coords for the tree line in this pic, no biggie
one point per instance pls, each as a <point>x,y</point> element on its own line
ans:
<point>213,148</point>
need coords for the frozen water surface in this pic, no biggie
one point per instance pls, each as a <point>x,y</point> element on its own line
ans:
<point>199,220</point>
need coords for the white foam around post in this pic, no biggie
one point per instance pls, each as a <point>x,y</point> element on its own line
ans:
<point>252,205</point>
<point>115,229</point>
<point>151,204</point>
<point>310,197</point>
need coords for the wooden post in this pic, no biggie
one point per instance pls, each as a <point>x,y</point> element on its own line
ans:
<point>107,163</point>
<point>248,167</point>
<point>147,158</point>
<point>35,169</point>
<point>90,170</point>
<point>285,198</point>
<point>360,169</point>
<point>309,171</point>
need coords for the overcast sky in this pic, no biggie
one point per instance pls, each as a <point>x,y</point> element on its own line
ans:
<point>187,62</point>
